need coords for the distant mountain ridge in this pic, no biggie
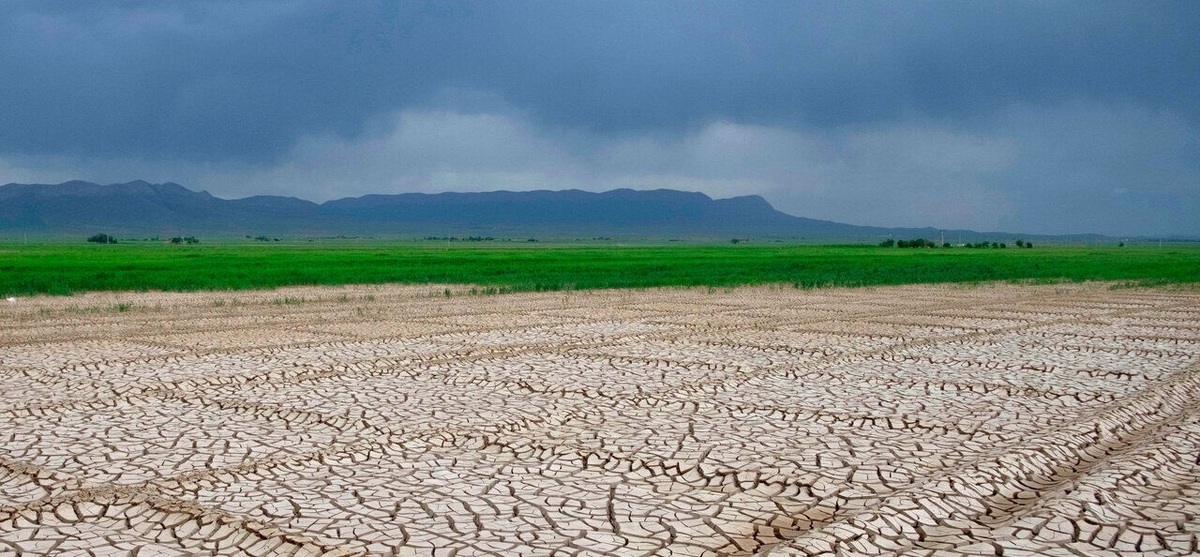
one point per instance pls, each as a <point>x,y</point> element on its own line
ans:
<point>142,208</point>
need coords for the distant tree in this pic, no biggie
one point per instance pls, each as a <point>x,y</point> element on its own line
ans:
<point>1020,243</point>
<point>1028,244</point>
<point>734,241</point>
<point>1121,245</point>
<point>914,243</point>
<point>887,243</point>
<point>1003,245</point>
<point>102,239</point>
<point>177,240</point>
<point>995,245</point>
<point>191,240</point>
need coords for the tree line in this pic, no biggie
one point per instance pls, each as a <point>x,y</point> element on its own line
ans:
<point>923,243</point>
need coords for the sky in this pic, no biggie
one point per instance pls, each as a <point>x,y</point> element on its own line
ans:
<point>1036,117</point>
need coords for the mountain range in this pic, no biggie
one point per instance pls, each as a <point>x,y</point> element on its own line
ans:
<point>169,209</point>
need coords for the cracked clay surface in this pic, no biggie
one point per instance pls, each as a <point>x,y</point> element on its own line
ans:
<point>393,420</point>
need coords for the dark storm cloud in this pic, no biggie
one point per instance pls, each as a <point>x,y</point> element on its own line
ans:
<point>218,80</point>
<point>1034,116</point>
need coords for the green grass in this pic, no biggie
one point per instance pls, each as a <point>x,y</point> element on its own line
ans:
<point>67,269</point>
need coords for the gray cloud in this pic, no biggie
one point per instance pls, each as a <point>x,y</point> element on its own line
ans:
<point>1045,117</point>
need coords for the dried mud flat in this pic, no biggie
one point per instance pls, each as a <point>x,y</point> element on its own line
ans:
<point>1048,420</point>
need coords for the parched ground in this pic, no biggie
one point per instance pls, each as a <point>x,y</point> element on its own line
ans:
<point>1048,420</point>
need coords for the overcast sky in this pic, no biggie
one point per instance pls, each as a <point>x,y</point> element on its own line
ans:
<point>1039,117</point>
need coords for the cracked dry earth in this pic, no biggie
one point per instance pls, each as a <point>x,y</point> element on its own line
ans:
<point>1048,420</point>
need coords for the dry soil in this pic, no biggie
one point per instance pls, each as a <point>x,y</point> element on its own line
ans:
<point>1049,420</point>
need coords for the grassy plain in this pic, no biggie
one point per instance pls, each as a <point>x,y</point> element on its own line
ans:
<point>68,268</point>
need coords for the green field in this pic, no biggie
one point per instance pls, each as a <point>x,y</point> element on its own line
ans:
<point>68,268</point>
